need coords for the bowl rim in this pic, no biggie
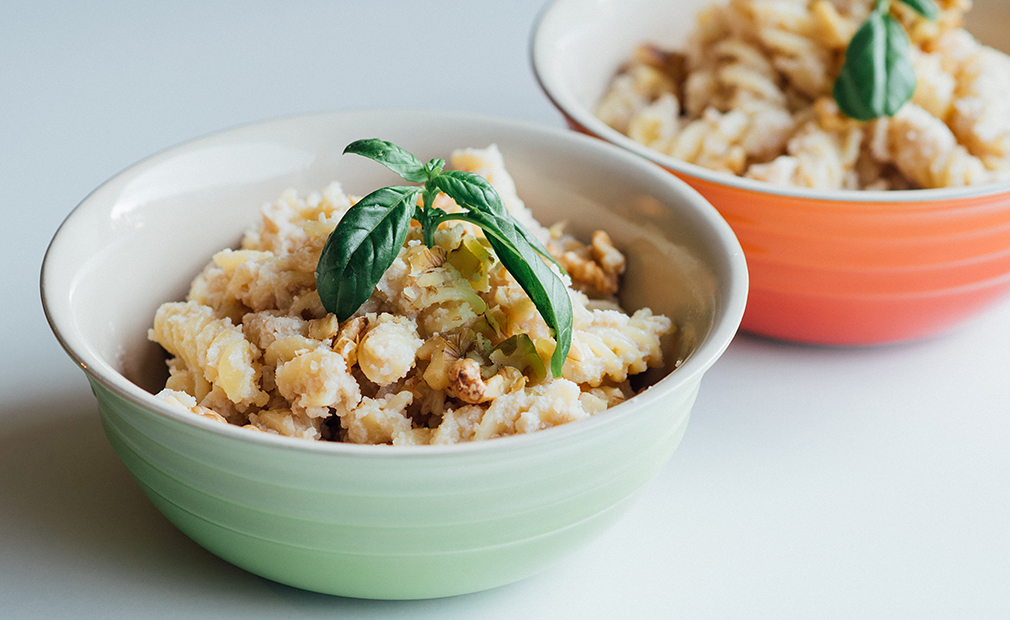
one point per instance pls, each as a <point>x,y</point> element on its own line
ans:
<point>570,107</point>
<point>727,316</point>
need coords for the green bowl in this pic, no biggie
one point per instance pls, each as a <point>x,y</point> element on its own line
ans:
<point>388,522</point>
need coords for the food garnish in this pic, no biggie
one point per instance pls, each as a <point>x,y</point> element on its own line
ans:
<point>370,235</point>
<point>878,76</point>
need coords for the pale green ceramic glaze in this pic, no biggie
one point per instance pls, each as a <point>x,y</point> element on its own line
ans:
<point>383,521</point>
<point>403,526</point>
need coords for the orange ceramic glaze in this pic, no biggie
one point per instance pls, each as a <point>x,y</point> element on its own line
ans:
<point>846,271</point>
<point>854,268</point>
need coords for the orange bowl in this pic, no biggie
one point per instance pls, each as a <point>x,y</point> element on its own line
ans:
<point>827,267</point>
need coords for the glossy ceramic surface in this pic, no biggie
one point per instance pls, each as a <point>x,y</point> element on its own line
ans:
<point>826,267</point>
<point>382,521</point>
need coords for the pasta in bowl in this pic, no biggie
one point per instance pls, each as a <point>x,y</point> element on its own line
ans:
<point>856,232</point>
<point>372,521</point>
<point>448,346</point>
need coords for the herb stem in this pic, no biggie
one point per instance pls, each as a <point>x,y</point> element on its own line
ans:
<point>371,234</point>
<point>426,215</point>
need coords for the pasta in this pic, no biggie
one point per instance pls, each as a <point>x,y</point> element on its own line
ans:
<point>448,348</point>
<point>751,95</point>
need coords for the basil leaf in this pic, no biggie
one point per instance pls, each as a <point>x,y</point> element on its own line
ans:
<point>926,8</point>
<point>435,167</point>
<point>398,160</point>
<point>878,76</point>
<point>470,189</point>
<point>901,80</point>
<point>371,233</point>
<point>541,284</point>
<point>363,245</point>
<point>474,192</point>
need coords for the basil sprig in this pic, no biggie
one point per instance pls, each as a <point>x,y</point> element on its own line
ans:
<point>878,76</point>
<point>368,238</point>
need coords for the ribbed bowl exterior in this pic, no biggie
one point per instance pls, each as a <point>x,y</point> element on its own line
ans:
<point>865,272</point>
<point>392,524</point>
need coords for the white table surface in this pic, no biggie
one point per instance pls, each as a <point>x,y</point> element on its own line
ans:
<point>812,482</point>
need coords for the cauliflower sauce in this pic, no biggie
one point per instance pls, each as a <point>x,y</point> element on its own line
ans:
<point>447,349</point>
<point>751,95</point>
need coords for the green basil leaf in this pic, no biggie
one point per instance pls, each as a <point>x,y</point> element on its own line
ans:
<point>877,77</point>
<point>471,190</point>
<point>926,8</point>
<point>474,192</point>
<point>371,233</point>
<point>435,167</point>
<point>391,156</point>
<point>362,246</point>
<point>541,284</point>
<point>901,80</point>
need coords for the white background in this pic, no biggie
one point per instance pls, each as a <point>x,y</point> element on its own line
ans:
<point>812,482</point>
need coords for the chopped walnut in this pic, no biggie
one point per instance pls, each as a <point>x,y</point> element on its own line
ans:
<point>346,342</point>
<point>442,352</point>
<point>467,384</point>
<point>596,268</point>
<point>324,328</point>
<point>421,258</point>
